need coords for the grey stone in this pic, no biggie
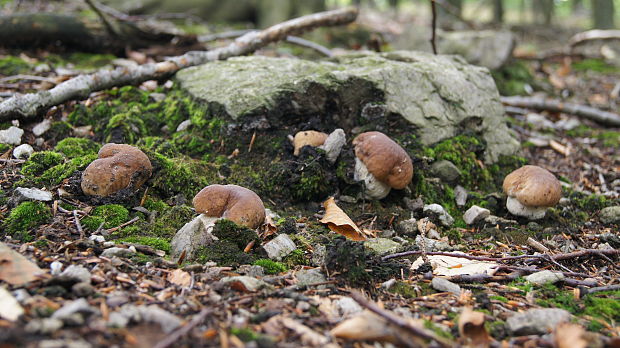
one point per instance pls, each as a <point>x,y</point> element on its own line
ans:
<point>431,244</point>
<point>539,121</point>
<point>544,277</point>
<point>251,270</point>
<point>444,285</point>
<point>250,284</point>
<point>44,326</point>
<point>610,215</point>
<point>440,213</point>
<point>23,151</point>
<point>73,312</point>
<point>191,236</point>
<point>318,256</point>
<point>117,252</point>
<point>184,125</point>
<point>414,205</point>
<point>76,272</point>
<point>347,306</point>
<point>310,276</point>
<point>21,194</point>
<point>408,227</point>
<point>460,195</point>
<point>60,343</point>
<point>475,214</point>
<point>537,321</point>
<point>279,247</point>
<point>488,48</point>
<point>446,171</point>
<point>496,220</point>
<point>333,144</point>
<point>11,136</point>
<point>82,289</point>
<point>440,96</point>
<point>56,268</point>
<point>152,314</point>
<point>382,246</point>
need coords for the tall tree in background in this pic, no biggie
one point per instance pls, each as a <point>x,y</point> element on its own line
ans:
<point>543,11</point>
<point>447,9</point>
<point>498,11</point>
<point>603,14</point>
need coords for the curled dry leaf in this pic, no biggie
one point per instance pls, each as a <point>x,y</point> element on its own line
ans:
<point>180,277</point>
<point>339,222</point>
<point>15,269</point>
<point>568,335</point>
<point>452,266</point>
<point>471,329</point>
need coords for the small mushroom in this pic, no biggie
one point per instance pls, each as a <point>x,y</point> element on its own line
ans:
<point>312,138</point>
<point>531,190</point>
<point>381,163</point>
<point>118,167</point>
<point>232,202</point>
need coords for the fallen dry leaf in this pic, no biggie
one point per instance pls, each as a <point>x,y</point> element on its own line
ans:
<point>471,329</point>
<point>339,222</point>
<point>307,335</point>
<point>180,277</point>
<point>452,266</point>
<point>568,335</point>
<point>15,269</point>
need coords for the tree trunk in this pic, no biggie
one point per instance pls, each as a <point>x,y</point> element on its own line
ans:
<point>446,10</point>
<point>603,14</point>
<point>543,11</point>
<point>498,11</point>
<point>577,6</point>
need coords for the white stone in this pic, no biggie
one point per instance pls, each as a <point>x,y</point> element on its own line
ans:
<point>347,306</point>
<point>373,187</point>
<point>333,145</point>
<point>475,214</point>
<point>250,284</point>
<point>42,127</point>
<point>443,284</point>
<point>118,252</point>
<point>56,268</point>
<point>23,151</point>
<point>441,213</point>
<point>184,125</point>
<point>79,273</point>
<point>11,136</point>
<point>191,236</point>
<point>9,307</point>
<point>460,195</point>
<point>97,238</point>
<point>21,194</point>
<point>279,247</point>
<point>544,277</point>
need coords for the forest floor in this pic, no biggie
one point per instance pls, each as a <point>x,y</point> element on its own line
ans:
<point>106,287</point>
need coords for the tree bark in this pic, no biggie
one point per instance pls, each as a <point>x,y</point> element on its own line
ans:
<point>498,11</point>
<point>543,11</point>
<point>603,14</point>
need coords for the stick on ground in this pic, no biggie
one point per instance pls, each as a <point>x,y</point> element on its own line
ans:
<point>29,105</point>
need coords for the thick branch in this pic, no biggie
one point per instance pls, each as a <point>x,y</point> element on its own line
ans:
<point>594,114</point>
<point>29,105</point>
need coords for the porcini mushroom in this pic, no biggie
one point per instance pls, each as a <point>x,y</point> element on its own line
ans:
<point>232,202</point>
<point>310,137</point>
<point>531,190</point>
<point>118,167</point>
<point>381,163</point>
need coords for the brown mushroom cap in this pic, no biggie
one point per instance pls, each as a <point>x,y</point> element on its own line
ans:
<point>118,167</point>
<point>533,186</point>
<point>232,202</point>
<point>312,138</point>
<point>384,158</point>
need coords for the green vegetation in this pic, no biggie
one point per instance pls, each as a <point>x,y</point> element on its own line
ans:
<point>13,66</point>
<point>39,162</point>
<point>597,65</point>
<point>111,215</point>
<point>49,168</point>
<point>270,266</point>
<point>603,305</point>
<point>157,243</point>
<point>76,147</point>
<point>25,217</point>
<point>512,78</point>
<point>228,250</point>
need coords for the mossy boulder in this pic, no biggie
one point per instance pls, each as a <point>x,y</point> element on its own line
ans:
<point>441,96</point>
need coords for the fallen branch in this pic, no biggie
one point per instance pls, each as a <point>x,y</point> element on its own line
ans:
<point>584,291</point>
<point>396,320</point>
<point>594,114</point>
<point>591,35</point>
<point>173,338</point>
<point>556,257</point>
<point>80,87</point>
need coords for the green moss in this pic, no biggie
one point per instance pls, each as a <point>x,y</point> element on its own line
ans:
<point>603,305</point>
<point>245,334</point>
<point>157,243</point>
<point>437,330</point>
<point>4,148</point>
<point>404,289</point>
<point>498,298</point>
<point>59,130</point>
<point>224,253</point>
<point>13,66</point>
<point>156,205</point>
<point>55,174</point>
<point>270,266</point>
<point>229,231</point>
<point>176,175</point>
<point>348,259</point>
<point>597,65</point>
<point>77,147</point>
<point>41,161</point>
<point>511,79</point>
<point>111,215</point>
<point>126,127</point>
<point>141,259</point>
<point>295,258</point>
<point>25,217</point>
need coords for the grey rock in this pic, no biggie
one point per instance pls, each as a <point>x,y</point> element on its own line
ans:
<point>610,215</point>
<point>407,227</point>
<point>11,136</point>
<point>432,244</point>
<point>151,314</point>
<point>475,214</point>
<point>42,127</point>
<point>82,289</point>
<point>539,121</point>
<point>78,273</point>
<point>251,270</point>
<point>414,204</point>
<point>117,252</point>
<point>97,238</point>
<point>73,313</point>
<point>440,213</point>
<point>193,235</point>
<point>56,268</point>
<point>60,343</point>
<point>21,194</point>
<point>347,306</point>
<point>488,48</point>
<point>382,246</point>
<point>184,125</point>
<point>387,285</point>
<point>318,256</point>
<point>279,247</point>
<point>496,220</point>
<point>460,195</point>
<point>333,145</point>
<point>440,96</point>
<point>443,284</point>
<point>250,284</point>
<point>446,171</point>
<point>23,151</point>
<point>310,276</point>
<point>44,326</point>
<point>534,226</point>
<point>537,321</point>
<point>544,277</point>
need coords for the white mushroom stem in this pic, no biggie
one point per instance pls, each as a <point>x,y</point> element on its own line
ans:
<point>374,188</point>
<point>516,208</point>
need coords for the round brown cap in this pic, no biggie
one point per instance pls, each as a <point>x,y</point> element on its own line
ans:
<point>533,186</point>
<point>312,138</point>
<point>118,167</point>
<point>232,202</point>
<point>384,158</point>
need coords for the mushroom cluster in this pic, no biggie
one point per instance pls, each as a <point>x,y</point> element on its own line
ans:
<point>531,190</point>
<point>231,202</point>
<point>381,164</point>
<point>118,167</point>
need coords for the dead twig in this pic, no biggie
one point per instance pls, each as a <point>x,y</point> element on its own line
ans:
<point>603,117</point>
<point>122,225</point>
<point>434,26</point>
<point>29,105</point>
<point>176,335</point>
<point>78,225</point>
<point>556,257</point>
<point>581,292</point>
